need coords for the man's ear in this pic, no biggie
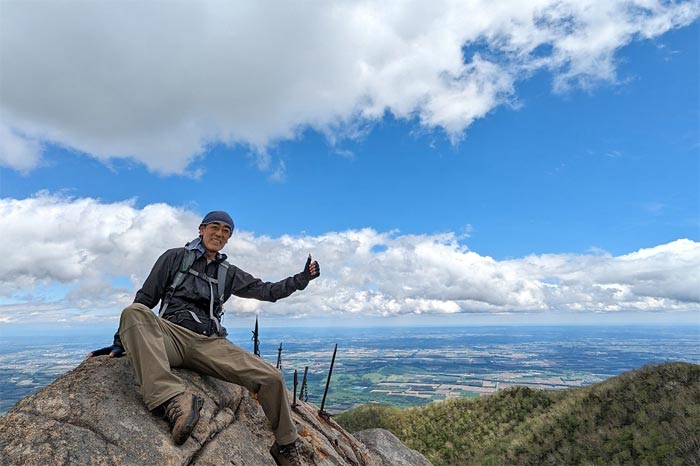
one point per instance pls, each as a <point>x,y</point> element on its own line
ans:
<point>201,230</point>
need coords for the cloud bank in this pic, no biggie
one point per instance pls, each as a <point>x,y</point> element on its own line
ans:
<point>81,259</point>
<point>158,82</point>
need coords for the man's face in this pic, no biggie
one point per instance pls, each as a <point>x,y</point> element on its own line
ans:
<point>215,236</point>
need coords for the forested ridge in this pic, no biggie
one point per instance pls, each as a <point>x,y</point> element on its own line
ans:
<point>649,416</point>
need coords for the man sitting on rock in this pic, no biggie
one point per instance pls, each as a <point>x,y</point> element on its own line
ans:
<point>192,283</point>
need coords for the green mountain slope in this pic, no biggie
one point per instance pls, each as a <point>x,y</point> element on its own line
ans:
<point>649,416</point>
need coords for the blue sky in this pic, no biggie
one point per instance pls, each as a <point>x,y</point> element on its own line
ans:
<point>561,169</point>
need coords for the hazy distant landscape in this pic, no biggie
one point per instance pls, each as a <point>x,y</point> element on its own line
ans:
<point>402,366</point>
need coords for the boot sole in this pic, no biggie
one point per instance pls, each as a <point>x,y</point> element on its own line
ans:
<point>191,421</point>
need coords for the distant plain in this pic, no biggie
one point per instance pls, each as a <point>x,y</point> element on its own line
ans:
<point>401,366</point>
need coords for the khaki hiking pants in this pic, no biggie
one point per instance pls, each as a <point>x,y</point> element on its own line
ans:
<point>154,345</point>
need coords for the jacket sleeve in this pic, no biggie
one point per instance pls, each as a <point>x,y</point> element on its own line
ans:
<point>161,275</point>
<point>117,341</point>
<point>246,286</point>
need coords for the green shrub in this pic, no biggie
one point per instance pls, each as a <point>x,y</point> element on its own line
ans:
<point>650,416</point>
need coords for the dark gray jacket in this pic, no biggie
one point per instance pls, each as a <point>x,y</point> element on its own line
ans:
<point>192,296</point>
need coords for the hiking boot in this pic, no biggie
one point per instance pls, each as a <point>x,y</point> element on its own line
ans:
<point>182,412</point>
<point>286,455</point>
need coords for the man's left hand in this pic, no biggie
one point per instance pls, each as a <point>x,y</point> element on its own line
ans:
<point>312,269</point>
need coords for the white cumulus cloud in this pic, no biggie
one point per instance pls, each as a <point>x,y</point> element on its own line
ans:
<point>158,82</point>
<point>79,258</point>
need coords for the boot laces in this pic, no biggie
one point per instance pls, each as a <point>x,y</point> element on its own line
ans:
<point>291,453</point>
<point>173,411</point>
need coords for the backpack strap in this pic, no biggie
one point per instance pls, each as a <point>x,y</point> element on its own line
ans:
<point>187,261</point>
<point>220,282</point>
<point>221,279</point>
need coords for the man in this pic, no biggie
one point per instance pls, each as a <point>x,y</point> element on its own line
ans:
<point>188,333</point>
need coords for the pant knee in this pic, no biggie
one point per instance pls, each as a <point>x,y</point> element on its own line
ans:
<point>135,313</point>
<point>274,380</point>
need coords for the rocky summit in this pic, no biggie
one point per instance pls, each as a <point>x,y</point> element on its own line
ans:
<point>94,415</point>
